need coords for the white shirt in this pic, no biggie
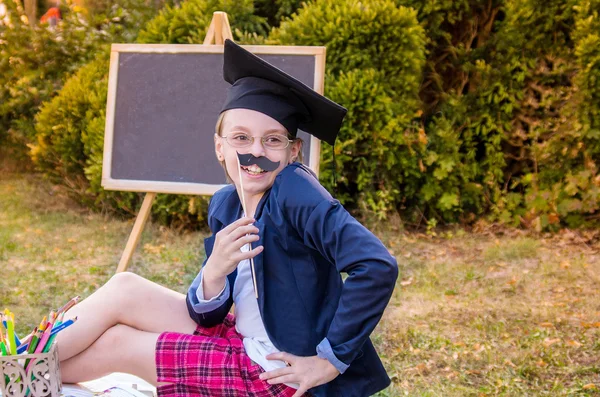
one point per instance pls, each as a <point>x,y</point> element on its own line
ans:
<point>248,321</point>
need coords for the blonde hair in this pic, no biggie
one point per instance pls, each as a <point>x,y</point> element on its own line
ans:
<point>219,129</point>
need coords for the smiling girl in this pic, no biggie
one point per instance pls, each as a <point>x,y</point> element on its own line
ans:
<point>278,247</point>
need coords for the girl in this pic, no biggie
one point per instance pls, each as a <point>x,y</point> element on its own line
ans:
<point>297,326</point>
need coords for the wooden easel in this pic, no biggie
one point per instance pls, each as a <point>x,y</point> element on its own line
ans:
<point>218,31</point>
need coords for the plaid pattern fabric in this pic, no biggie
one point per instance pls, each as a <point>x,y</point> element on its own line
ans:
<point>212,363</point>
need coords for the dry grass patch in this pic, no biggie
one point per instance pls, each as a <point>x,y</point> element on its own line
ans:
<point>487,315</point>
<point>51,250</point>
<point>473,314</point>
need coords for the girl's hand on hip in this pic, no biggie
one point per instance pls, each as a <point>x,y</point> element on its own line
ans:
<point>308,372</point>
<point>226,252</point>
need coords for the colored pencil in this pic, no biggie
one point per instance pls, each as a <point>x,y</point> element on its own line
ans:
<point>10,326</point>
<point>37,335</point>
<point>46,336</point>
<point>23,348</point>
<point>19,342</point>
<point>63,326</point>
<point>61,318</point>
<point>68,305</point>
<point>57,324</point>
<point>26,339</point>
<point>2,328</point>
<point>41,338</point>
<point>43,323</point>
<point>33,347</point>
<point>40,347</point>
<point>34,340</point>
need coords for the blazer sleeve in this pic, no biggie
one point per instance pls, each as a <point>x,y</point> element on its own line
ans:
<point>212,317</point>
<point>324,225</point>
<point>196,296</point>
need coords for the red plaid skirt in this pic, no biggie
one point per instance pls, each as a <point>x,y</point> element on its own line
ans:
<point>212,362</point>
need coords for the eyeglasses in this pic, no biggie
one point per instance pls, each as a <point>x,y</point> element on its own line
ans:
<point>243,140</point>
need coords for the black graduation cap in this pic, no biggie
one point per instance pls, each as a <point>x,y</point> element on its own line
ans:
<point>260,86</point>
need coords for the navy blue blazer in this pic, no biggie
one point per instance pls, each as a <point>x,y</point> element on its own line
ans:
<point>309,239</point>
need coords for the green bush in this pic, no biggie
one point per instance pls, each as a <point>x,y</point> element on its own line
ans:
<point>375,53</point>
<point>35,60</point>
<point>567,186</point>
<point>547,182</point>
<point>376,34</point>
<point>500,111</point>
<point>457,110</point>
<point>69,139</point>
<point>188,23</point>
<point>275,11</point>
<point>587,52</point>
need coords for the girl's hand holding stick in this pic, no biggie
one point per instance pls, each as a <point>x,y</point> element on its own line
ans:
<point>227,254</point>
<point>246,213</point>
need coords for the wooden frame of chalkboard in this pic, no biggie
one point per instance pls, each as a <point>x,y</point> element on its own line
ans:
<point>127,160</point>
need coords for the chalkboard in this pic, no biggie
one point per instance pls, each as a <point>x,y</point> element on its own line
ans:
<point>162,107</point>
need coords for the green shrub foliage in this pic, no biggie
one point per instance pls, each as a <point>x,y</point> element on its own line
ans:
<point>69,139</point>
<point>35,60</point>
<point>375,53</point>
<point>457,110</point>
<point>187,24</point>
<point>276,10</point>
<point>506,110</point>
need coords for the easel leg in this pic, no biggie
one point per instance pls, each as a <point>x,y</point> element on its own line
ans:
<point>136,233</point>
<point>219,29</point>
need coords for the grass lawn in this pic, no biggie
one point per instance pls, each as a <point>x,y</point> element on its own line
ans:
<point>472,315</point>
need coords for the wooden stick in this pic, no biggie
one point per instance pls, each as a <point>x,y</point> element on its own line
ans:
<point>210,33</point>
<point>218,30</point>
<point>246,212</point>
<point>218,20</point>
<point>226,28</point>
<point>136,233</point>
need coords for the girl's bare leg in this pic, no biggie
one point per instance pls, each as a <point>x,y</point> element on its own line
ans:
<point>119,349</point>
<point>125,299</point>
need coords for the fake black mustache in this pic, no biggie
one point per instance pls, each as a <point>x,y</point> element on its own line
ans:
<point>263,162</point>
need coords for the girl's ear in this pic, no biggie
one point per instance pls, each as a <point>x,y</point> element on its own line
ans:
<point>295,152</point>
<point>219,148</point>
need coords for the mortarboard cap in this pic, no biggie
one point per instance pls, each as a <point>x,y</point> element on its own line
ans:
<point>258,85</point>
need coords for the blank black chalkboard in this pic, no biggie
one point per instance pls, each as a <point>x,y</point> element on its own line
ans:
<point>163,104</point>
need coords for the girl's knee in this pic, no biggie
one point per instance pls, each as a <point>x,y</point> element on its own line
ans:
<point>121,292</point>
<point>123,281</point>
<point>124,286</point>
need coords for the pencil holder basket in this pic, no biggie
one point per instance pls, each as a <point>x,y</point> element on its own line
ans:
<point>31,375</point>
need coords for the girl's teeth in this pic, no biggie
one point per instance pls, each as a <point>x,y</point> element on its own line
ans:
<point>254,169</point>
<point>254,172</point>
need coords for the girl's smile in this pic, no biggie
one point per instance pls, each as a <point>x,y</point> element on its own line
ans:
<point>254,171</point>
<point>248,132</point>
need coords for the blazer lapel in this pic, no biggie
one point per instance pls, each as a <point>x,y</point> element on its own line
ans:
<point>228,211</point>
